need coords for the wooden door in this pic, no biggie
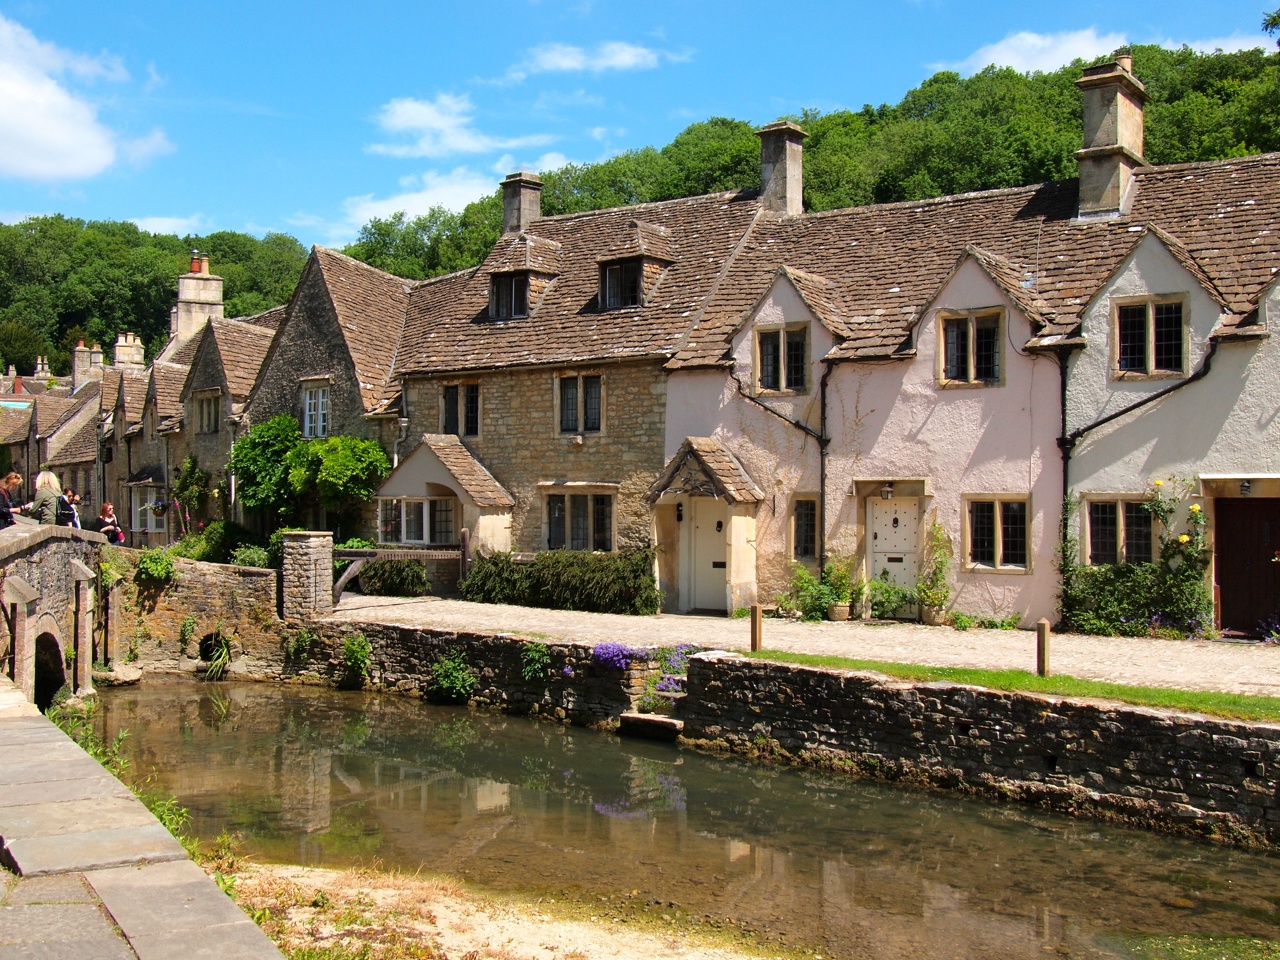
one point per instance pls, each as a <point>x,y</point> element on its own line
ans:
<point>1246,537</point>
<point>895,533</point>
<point>710,553</point>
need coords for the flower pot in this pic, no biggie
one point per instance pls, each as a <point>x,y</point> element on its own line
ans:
<point>933,616</point>
<point>837,611</point>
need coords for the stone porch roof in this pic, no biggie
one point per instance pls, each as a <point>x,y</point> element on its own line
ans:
<point>703,466</point>
<point>460,463</point>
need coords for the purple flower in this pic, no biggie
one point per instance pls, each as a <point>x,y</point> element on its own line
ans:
<point>614,656</point>
<point>568,671</point>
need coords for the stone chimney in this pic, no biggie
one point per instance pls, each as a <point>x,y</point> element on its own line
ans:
<point>521,201</point>
<point>42,367</point>
<point>80,365</point>
<point>782,168</point>
<point>1113,99</point>
<point>199,299</point>
<point>129,352</point>
<point>95,361</point>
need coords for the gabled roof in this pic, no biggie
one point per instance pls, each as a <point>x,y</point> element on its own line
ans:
<point>269,319</point>
<point>80,447</point>
<point>640,239</point>
<point>239,349</point>
<point>370,306</point>
<point>187,352</point>
<point>889,260</point>
<point>703,466</point>
<point>448,328</point>
<point>15,424</point>
<point>458,462</point>
<point>52,412</point>
<point>525,251</point>
<point>1006,277</point>
<point>133,395</point>
<point>165,388</point>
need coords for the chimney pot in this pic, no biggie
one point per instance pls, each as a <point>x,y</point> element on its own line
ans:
<point>204,264</point>
<point>1125,62</point>
<point>782,168</point>
<point>195,261</point>
<point>521,201</point>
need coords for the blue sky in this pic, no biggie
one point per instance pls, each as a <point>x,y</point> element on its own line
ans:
<point>311,118</point>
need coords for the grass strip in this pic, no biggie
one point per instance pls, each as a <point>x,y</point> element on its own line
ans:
<point>1232,706</point>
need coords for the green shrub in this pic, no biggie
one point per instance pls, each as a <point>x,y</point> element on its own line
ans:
<point>155,568</point>
<point>887,598</point>
<point>275,546</point>
<point>619,582</point>
<point>187,630</point>
<point>395,578</point>
<point>357,655</point>
<point>811,596</point>
<point>216,543</point>
<point>961,621</point>
<point>535,658</point>
<point>219,654</point>
<point>250,556</point>
<point>452,678</point>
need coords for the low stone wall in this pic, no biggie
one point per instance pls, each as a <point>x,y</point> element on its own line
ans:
<point>146,624</point>
<point>1186,773</point>
<point>570,687</point>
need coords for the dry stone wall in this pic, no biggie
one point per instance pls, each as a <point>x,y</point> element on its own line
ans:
<point>1185,773</point>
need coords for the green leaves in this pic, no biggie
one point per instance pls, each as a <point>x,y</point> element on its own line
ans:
<point>258,460</point>
<point>337,470</point>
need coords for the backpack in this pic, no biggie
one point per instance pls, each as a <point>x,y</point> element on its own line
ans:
<point>65,516</point>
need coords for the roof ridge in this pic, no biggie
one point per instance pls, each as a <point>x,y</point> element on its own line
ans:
<point>746,193</point>
<point>1154,168</point>
<point>714,289</point>
<point>364,266</point>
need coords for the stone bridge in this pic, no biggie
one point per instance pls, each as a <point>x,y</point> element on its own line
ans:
<point>47,596</point>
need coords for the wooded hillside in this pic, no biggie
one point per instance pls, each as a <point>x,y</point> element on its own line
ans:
<point>62,279</point>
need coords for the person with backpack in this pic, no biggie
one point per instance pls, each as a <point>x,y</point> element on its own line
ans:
<point>44,508</point>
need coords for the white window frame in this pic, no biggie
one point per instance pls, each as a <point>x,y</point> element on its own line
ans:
<point>785,386</point>
<point>971,320</point>
<point>1151,372</point>
<point>425,506</point>
<point>999,499</point>
<point>1086,523</point>
<point>315,410</point>
<point>142,519</point>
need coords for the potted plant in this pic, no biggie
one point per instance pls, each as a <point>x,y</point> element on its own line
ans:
<point>932,589</point>
<point>837,577</point>
<point>158,508</point>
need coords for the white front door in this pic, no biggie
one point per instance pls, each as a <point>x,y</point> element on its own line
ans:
<point>710,553</point>
<point>895,536</point>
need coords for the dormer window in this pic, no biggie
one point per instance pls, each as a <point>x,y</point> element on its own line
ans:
<point>1149,337</point>
<point>620,284</point>
<point>509,295</point>
<point>782,359</point>
<point>970,348</point>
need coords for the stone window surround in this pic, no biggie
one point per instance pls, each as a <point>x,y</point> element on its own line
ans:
<point>202,421</point>
<point>1149,301</point>
<point>784,388</point>
<point>972,317</point>
<point>571,488</point>
<point>792,518</point>
<point>461,411</point>
<point>1119,499</point>
<point>581,433</point>
<point>997,498</point>
<point>305,386</point>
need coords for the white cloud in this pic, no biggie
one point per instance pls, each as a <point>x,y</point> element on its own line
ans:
<point>1026,51</point>
<point>48,131</point>
<point>504,164</point>
<point>176,225</point>
<point>610,55</point>
<point>441,127</point>
<point>452,190</point>
<point>598,133</point>
<point>550,161</point>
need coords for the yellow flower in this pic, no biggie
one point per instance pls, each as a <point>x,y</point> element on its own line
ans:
<point>1158,483</point>
<point>1195,508</point>
<point>1184,539</point>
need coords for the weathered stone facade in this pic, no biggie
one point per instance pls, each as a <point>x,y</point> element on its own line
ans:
<point>1186,773</point>
<point>147,624</point>
<point>307,575</point>
<point>520,441</point>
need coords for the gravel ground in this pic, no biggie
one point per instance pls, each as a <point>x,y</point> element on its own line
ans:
<point>1184,664</point>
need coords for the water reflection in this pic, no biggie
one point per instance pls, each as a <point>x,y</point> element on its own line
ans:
<point>319,777</point>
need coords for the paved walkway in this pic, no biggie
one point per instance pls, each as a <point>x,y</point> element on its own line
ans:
<point>88,873</point>
<point>1188,665</point>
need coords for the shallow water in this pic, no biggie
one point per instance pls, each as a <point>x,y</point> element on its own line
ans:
<point>318,777</point>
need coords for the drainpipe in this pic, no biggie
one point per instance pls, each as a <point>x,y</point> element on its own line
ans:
<point>1067,442</point>
<point>402,434</point>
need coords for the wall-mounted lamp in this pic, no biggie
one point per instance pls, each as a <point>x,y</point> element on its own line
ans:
<point>886,492</point>
<point>679,512</point>
<point>1246,488</point>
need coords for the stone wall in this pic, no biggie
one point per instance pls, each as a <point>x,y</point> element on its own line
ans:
<point>1185,773</point>
<point>521,445</point>
<point>146,624</point>
<point>570,687</point>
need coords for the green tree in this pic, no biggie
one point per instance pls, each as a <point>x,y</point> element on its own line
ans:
<point>1271,23</point>
<point>259,461</point>
<point>338,471</point>
<point>20,345</point>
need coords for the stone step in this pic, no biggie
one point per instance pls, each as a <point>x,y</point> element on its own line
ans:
<point>649,726</point>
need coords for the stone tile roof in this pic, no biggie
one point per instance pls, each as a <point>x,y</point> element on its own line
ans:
<point>242,347</point>
<point>80,447</point>
<point>448,328</point>
<point>703,466</point>
<point>268,319</point>
<point>53,412</point>
<point>889,260</point>
<point>15,424</point>
<point>525,251</point>
<point>187,352</point>
<point>133,389</point>
<point>166,386</point>
<point>110,390</point>
<point>370,306</point>
<point>468,471</point>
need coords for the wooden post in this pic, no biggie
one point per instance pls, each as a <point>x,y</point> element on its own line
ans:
<point>1042,647</point>
<point>757,627</point>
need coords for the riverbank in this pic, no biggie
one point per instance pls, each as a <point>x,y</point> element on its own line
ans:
<point>394,916</point>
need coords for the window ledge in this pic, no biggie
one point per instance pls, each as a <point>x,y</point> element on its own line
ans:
<point>1001,571</point>
<point>1123,375</point>
<point>945,384</point>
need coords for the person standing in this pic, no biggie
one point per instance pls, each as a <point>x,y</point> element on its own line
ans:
<point>44,508</point>
<point>108,525</point>
<point>8,487</point>
<point>68,515</point>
